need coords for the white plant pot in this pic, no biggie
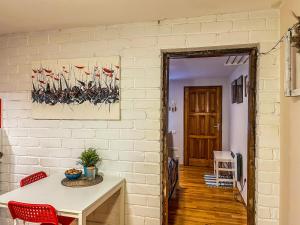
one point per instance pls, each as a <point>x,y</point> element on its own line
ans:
<point>91,172</point>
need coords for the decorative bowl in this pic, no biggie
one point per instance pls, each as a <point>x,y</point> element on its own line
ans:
<point>73,174</point>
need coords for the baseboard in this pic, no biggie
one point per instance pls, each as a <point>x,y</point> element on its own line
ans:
<point>238,196</point>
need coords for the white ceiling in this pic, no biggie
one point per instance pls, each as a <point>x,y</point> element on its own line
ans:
<point>191,68</point>
<point>34,15</point>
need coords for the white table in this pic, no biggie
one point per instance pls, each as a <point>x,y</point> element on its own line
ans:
<point>87,204</point>
<point>224,157</point>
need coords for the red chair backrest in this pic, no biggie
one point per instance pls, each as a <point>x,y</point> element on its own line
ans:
<point>34,213</point>
<point>32,178</point>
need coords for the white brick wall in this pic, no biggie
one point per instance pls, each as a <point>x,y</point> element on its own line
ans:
<point>131,147</point>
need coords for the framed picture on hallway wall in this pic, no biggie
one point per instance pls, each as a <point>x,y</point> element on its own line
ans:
<point>233,91</point>
<point>239,91</point>
<point>246,85</point>
<point>84,88</point>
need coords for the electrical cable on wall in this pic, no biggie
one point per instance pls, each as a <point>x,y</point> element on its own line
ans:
<point>296,39</point>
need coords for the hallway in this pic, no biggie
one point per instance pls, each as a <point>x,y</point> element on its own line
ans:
<point>197,204</point>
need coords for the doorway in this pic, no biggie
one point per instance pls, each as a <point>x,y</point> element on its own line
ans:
<point>202,124</point>
<point>196,159</point>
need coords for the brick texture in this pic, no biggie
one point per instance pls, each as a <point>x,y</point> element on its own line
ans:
<point>131,147</point>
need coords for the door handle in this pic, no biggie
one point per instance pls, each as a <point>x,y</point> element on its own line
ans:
<point>1,155</point>
<point>217,126</point>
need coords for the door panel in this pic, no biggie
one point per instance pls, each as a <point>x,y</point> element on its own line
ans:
<point>203,124</point>
<point>212,121</point>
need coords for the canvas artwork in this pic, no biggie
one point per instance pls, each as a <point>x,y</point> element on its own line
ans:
<point>85,89</point>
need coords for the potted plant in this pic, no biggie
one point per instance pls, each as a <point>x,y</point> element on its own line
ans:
<point>89,159</point>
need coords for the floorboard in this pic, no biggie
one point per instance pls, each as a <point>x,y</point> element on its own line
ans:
<point>197,204</point>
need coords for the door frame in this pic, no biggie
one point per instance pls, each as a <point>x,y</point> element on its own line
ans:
<point>252,50</point>
<point>185,150</point>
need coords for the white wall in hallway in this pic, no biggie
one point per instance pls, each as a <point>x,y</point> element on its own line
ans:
<point>131,147</point>
<point>238,137</point>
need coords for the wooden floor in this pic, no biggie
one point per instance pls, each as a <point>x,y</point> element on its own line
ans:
<point>197,204</point>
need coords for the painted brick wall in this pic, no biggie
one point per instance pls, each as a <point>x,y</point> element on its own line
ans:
<point>131,147</point>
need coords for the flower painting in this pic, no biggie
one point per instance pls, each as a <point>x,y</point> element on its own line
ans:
<point>76,89</point>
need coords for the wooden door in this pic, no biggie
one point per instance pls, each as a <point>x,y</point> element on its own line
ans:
<point>202,124</point>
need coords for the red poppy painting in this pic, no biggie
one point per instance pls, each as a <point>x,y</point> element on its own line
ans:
<point>64,89</point>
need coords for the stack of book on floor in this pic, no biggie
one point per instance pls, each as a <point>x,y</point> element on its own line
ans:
<point>210,180</point>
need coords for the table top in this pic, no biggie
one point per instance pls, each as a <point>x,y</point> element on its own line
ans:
<point>222,155</point>
<point>64,199</point>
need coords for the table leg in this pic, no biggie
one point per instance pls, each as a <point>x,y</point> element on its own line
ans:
<point>81,219</point>
<point>214,166</point>
<point>217,173</point>
<point>233,165</point>
<point>122,205</point>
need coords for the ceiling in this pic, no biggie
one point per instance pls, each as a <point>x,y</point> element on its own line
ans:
<point>35,15</point>
<point>191,68</point>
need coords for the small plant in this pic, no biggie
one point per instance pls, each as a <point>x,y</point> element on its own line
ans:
<point>89,158</point>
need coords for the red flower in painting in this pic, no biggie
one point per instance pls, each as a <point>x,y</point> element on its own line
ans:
<point>105,70</point>
<point>48,71</point>
<point>79,67</point>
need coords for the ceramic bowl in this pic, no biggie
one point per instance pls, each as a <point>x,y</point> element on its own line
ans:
<point>73,176</point>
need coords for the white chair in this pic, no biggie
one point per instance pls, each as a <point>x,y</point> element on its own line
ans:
<point>220,159</point>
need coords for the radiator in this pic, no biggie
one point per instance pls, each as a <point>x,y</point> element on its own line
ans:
<point>239,167</point>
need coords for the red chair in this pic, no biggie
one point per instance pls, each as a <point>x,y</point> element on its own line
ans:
<point>32,178</point>
<point>35,213</point>
<point>38,176</point>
